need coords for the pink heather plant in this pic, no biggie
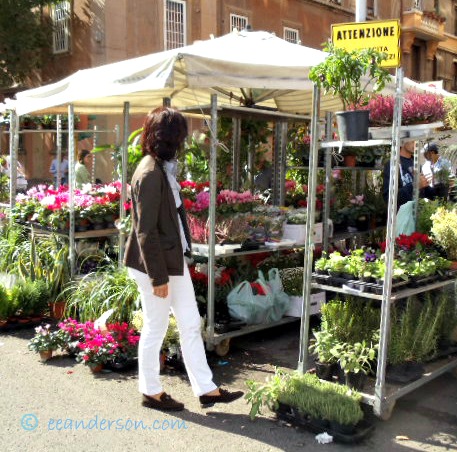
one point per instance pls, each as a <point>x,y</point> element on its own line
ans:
<point>422,108</point>
<point>418,107</point>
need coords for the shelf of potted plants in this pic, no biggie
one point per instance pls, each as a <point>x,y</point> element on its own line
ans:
<point>382,397</point>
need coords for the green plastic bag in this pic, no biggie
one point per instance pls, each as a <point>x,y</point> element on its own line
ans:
<point>281,299</point>
<point>405,223</point>
<point>243,304</point>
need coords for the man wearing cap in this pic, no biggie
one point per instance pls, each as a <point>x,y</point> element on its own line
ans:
<point>406,179</point>
<point>436,169</point>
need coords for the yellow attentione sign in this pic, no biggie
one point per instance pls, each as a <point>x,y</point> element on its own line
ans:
<point>382,35</point>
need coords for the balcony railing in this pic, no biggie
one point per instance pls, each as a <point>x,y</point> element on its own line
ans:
<point>426,25</point>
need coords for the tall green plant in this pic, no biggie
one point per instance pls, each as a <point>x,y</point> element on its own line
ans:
<point>99,291</point>
<point>12,237</point>
<point>416,328</point>
<point>350,74</point>
<point>44,258</point>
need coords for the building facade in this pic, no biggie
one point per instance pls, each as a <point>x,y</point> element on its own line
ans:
<point>89,33</point>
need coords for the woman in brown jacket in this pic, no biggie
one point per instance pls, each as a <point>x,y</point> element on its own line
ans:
<point>155,255</point>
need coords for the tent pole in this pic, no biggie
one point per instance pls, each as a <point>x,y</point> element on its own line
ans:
<point>71,185</point>
<point>236,147</point>
<point>212,219</point>
<point>14,141</point>
<point>309,244</point>
<point>125,143</point>
<point>94,160</point>
<point>59,150</point>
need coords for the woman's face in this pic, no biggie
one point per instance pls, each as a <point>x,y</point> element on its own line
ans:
<point>87,160</point>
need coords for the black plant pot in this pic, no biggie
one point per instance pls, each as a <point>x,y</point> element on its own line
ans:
<point>353,125</point>
<point>355,380</point>
<point>324,371</point>
<point>343,429</point>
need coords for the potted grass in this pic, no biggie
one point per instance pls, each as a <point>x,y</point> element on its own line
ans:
<point>352,76</point>
<point>306,401</point>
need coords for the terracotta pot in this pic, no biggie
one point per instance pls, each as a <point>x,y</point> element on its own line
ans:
<point>57,309</point>
<point>45,355</point>
<point>96,368</point>
<point>350,160</point>
<point>163,358</point>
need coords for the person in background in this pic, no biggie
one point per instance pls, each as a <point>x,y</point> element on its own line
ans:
<point>82,174</point>
<point>54,169</point>
<point>406,185</point>
<point>437,170</point>
<point>156,255</point>
<point>21,179</point>
<point>263,180</point>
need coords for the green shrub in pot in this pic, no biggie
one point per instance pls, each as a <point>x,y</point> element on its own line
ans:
<point>351,74</point>
<point>444,230</point>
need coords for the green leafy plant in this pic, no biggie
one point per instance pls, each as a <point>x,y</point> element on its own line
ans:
<point>98,291</point>
<point>44,339</point>
<point>356,357</point>
<point>416,328</point>
<point>7,304</point>
<point>444,230</point>
<point>320,265</point>
<point>322,345</point>
<point>350,74</point>
<point>265,394</point>
<point>292,281</point>
<point>30,297</point>
<point>134,153</point>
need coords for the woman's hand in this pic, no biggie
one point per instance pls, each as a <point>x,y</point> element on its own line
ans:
<point>161,291</point>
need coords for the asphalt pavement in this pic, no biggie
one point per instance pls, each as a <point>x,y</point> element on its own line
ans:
<point>61,406</point>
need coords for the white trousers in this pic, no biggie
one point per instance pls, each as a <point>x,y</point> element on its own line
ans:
<point>181,300</point>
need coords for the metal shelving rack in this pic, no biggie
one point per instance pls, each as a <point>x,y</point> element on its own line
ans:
<point>220,342</point>
<point>14,133</point>
<point>213,340</point>
<point>383,396</point>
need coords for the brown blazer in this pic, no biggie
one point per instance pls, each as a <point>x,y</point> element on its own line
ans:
<point>154,245</point>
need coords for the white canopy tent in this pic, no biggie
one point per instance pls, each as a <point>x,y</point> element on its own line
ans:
<point>242,68</point>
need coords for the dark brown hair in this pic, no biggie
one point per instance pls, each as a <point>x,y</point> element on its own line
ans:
<point>82,154</point>
<point>164,131</point>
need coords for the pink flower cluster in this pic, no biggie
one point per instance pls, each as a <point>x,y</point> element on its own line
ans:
<point>226,200</point>
<point>418,107</point>
<point>55,199</point>
<point>234,197</point>
<point>358,200</point>
<point>97,346</point>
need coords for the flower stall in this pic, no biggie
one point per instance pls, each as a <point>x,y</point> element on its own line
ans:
<point>96,207</point>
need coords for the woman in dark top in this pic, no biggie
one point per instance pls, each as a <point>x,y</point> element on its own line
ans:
<point>155,254</point>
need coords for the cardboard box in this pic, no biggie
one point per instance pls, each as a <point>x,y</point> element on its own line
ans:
<point>296,303</point>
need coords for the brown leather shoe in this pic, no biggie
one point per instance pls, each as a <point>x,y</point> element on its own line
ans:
<point>207,401</point>
<point>166,403</point>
